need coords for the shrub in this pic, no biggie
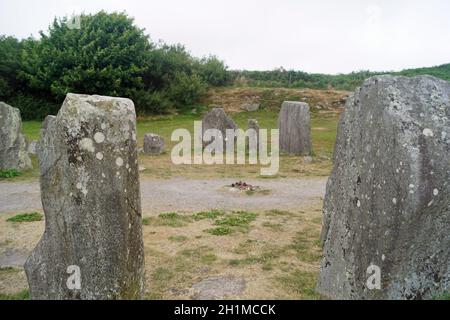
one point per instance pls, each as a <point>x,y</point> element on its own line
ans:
<point>26,217</point>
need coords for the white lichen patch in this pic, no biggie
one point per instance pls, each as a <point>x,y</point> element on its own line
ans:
<point>435,192</point>
<point>87,145</point>
<point>119,162</point>
<point>427,132</point>
<point>99,137</point>
<point>394,200</point>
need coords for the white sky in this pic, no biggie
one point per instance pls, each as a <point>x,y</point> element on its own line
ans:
<point>327,36</point>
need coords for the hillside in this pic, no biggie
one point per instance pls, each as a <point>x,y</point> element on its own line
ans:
<point>300,79</point>
<point>232,98</point>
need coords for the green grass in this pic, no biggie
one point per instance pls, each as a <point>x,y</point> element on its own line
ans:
<point>169,219</point>
<point>237,219</point>
<point>307,246</point>
<point>445,296</point>
<point>301,283</point>
<point>213,214</point>
<point>323,137</point>
<point>22,295</point>
<point>9,173</point>
<point>178,238</point>
<point>26,217</point>
<point>220,231</point>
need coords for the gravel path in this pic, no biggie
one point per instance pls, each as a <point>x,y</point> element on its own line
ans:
<point>190,195</point>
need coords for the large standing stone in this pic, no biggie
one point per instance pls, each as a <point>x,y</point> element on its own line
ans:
<point>13,146</point>
<point>294,123</point>
<point>253,134</point>
<point>387,203</point>
<point>153,144</point>
<point>91,199</point>
<point>218,119</point>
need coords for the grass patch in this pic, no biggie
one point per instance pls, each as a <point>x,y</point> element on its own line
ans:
<point>8,270</point>
<point>213,214</point>
<point>301,283</point>
<point>169,219</point>
<point>273,226</point>
<point>278,213</point>
<point>22,295</point>
<point>445,296</point>
<point>162,274</point>
<point>201,255</point>
<point>178,238</point>
<point>220,231</point>
<point>26,217</point>
<point>9,173</point>
<point>237,219</point>
<point>307,245</point>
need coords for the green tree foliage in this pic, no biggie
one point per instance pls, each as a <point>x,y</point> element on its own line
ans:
<point>108,55</point>
<point>10,65</point>
<point>299,79</point>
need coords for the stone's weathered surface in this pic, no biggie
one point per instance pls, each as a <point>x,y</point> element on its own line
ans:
<point>388,199</point>
<point>153,144</point>
<point>250,107</point>
<point>13,146</point>
<point>294,123</point>
<point>217,119</point>
<point>91,199</point>
<point>32,147</point>
<point>218,288</point>
<point>253,135</point>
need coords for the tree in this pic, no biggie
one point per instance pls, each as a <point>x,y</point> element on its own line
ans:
<point>108,55</point>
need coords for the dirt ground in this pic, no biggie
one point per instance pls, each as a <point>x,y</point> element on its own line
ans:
<point>275,255</point>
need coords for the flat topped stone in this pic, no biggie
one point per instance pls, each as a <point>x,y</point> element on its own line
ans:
<point>13,146</point>
<point>153,144</point>
<point>294,123</point>
<point>91,199</point>
<point>218,288</point>
<point>387,204</point>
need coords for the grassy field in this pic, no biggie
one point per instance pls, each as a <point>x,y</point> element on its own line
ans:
<point>324,126</point>
<point>277,252</point>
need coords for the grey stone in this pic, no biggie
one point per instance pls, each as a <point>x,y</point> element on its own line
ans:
<point>91,199</point>
<point>217,119</point>
<point>253,135</point>
<point>294,124</point>
<point>32,147</point>
<point>13,146</point>
<point>13,258</point>
<point>250,107</point>
<point>218,288</point>
<point>153,144</point>
<point>387,202</point>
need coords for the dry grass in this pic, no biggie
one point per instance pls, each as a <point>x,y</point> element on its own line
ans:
<point>276,252</point>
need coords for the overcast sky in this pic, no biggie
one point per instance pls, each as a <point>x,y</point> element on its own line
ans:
<point>326,36</point>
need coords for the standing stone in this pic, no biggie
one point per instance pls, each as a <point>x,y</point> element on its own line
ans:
<point>32,147</point>
<point>91,199</point>
<point>217,119</point>
<point>253,134</point>
<point>13,146</point>
<point>294,123</point>
<point>250,107</point>
<point>153,144</point>
<point>387,203</point>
